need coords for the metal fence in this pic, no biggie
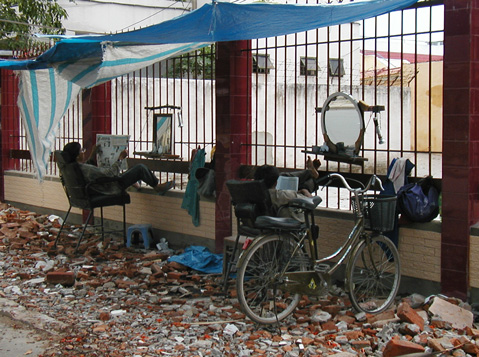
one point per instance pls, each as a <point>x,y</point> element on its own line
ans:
<point>394,60</point>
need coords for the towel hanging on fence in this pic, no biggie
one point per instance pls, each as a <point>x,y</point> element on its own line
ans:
<point>191,199</point>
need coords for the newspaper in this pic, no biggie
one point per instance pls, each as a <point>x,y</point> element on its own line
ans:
<point>287,183</point>
<point>109,149</point>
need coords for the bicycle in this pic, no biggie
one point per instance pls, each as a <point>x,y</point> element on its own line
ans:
<point>278,267</point>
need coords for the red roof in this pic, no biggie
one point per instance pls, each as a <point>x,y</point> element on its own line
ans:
<point>410,57</point>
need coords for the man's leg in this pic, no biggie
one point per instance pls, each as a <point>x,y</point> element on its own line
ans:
<point>136,173</point>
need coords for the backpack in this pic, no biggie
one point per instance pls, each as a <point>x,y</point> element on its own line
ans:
<point>419,202</point>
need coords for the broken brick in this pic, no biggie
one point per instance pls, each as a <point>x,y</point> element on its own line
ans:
<point>396,347</point>
<point>471,348</point>
<point>407,314</point>
<point>61,277</point>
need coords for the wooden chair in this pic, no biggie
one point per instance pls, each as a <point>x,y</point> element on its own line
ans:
<point>80,195</point>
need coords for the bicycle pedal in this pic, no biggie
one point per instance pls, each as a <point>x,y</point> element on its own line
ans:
<point>321,268</point>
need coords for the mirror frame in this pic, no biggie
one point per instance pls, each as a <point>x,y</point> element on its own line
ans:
<point>165,121</point>
<point>332,146</point>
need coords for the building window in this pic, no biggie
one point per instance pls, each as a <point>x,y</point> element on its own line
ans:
<point>336,67</point>
<point>308,66</point>
<point>262,63</point>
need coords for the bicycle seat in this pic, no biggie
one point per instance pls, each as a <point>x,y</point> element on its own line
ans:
<point>308,203</point>
<point>268,222</point>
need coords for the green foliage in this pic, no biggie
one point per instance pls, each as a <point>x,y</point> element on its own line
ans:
<point>19,19</point>
<point>197,64</point>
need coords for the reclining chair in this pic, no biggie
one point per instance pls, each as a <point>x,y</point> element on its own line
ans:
<point>250,200</point>
<point>81,196</point>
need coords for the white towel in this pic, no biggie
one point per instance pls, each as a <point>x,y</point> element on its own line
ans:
<point>397,173</point>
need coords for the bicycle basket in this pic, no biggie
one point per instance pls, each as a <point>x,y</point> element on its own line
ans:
<point>379,212</point>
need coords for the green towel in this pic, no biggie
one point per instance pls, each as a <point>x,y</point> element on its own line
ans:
<point>191,199</point>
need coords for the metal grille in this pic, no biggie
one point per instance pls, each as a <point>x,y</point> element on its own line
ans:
<point>393,60</point>
<point>186,83</point>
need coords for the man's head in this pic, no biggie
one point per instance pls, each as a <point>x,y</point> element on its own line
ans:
<point>71,151</point>
<point>269,174</point>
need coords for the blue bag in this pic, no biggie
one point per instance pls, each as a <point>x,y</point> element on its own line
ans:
<point>419,202</point>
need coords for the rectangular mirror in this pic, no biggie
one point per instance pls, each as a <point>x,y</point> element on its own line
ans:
<point>162,133</point>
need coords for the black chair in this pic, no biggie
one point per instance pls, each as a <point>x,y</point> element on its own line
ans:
<point>81,195</point>
<point>250,200</point>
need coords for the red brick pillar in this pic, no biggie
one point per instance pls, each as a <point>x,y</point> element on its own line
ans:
<point>460,183</point>
<point>10,124</point>
<point>96,104</point>
<point>233,126</point>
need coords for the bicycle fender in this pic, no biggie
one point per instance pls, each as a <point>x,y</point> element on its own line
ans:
<point>250,246</point>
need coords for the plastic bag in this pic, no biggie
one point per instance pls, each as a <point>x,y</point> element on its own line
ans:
<point>419,202</point>
<point>206,182</point>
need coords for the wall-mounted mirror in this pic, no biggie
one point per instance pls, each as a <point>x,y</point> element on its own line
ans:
<point>162,133</point>
<point>342,124</point>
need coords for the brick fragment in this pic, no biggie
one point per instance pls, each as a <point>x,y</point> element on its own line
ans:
<point>472,332</point>
<point>435,344</point>
<point>471,348</point>
<point>386,315</point>
<point>105,316</point>
<point>396,347</point>
<point>329,325</point>
<point>61,277</point>
<point>360,344</point>
<point>346,318</point>
<point>354,335</point>
<point>407,314</point>
<point>332,309</point>
<point>178,266</point>
<point>175,275</point>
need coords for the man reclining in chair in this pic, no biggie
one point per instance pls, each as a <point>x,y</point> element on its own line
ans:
<point>280,198</point>
<point>74,152</point>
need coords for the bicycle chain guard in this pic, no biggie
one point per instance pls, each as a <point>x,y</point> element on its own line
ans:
<point>306,283</point>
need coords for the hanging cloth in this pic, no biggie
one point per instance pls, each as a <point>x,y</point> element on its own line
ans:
<point>191,199</point>
<point>398,170</point>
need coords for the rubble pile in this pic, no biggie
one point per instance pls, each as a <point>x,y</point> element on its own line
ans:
<point>113,301</point>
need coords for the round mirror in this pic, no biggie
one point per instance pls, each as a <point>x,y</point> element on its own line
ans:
<point>342,124</point>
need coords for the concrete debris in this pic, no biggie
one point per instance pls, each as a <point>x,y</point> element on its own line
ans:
<point>457,316</point>
<point>115,301</point>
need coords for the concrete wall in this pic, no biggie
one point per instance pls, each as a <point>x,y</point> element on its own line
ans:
<point>419,244</point>
<point>164,213</point>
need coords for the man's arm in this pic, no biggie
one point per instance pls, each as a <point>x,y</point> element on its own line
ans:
<point>92,173</point>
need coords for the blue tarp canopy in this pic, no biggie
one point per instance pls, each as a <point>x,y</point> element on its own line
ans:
<point>218,21</point>
<point>49,83</point>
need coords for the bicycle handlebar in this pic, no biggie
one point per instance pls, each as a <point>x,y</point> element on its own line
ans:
<point>372,181</point>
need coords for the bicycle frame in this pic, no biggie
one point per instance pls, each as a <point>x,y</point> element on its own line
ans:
<point>298,281</point>
<point>279,266</point>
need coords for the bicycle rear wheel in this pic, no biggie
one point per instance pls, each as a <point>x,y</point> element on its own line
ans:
<point>373,274</point>
<point>259,281</point>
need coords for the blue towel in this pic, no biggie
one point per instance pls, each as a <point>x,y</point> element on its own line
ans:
<point>201,259</point>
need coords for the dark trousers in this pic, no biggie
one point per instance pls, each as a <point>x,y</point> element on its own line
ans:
<point>137,173</point>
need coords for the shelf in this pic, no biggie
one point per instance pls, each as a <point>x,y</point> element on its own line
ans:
<point>151,155</point>
<point>354,160</point>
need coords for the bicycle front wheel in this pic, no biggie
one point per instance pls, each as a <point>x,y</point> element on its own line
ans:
<point>373,274</point>
<point>260,280</point>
